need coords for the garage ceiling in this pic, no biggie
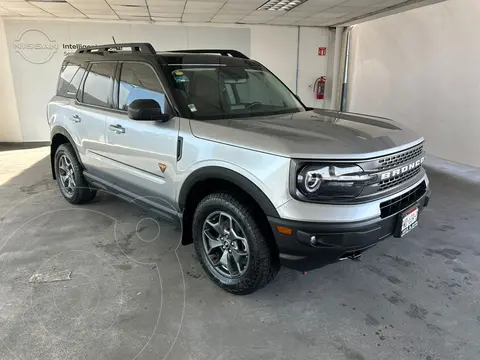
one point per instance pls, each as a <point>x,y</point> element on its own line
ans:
<point>308,13</point>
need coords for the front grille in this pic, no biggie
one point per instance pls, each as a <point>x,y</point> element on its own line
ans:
<point>398,159</point>
<point>402,202</point>
<point>394,181</point>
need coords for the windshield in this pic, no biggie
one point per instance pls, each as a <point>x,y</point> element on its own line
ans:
<point>219,91</point>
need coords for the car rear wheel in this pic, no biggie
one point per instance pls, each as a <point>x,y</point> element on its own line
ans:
<point>70,179</point>
<point>231,246</point>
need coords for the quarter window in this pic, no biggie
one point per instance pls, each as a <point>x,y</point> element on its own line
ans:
<point>139,81</point>
<point>70,78</point>
<point>97,88</point>
<point>75,83</point>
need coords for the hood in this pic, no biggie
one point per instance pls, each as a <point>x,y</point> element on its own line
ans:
<point>314,134</point>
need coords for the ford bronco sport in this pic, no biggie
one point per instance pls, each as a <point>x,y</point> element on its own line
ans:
<point>214,141</point>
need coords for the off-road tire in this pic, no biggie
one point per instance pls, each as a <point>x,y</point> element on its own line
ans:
<point>262,266</point>
<point>82,193</point>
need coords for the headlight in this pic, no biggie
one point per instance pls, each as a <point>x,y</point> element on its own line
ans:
<point>320,182</point>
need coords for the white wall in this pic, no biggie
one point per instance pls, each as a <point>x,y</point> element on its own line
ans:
<point>276,48</point>
<point>34,84</point>
<point>422,69</point>
<point>10,129</point>
<point>311,66</point>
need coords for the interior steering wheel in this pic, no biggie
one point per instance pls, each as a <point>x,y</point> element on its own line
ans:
<point>255,103</point>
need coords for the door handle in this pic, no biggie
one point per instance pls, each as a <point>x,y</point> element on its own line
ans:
<point>76,118</point>
<point>119,129</point>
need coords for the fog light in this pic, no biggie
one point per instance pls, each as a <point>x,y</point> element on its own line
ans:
<point>313,240</point>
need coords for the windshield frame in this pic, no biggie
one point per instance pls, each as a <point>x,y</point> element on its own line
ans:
<point>181,101</point>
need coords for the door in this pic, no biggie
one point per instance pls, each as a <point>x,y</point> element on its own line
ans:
<point>94,100</point>
<point>142,154</point>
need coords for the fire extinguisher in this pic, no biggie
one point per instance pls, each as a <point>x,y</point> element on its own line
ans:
<point>319,87</point>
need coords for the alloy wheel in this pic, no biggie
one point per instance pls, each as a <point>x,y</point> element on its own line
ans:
<point>225,244</point>
<point>67,175</point>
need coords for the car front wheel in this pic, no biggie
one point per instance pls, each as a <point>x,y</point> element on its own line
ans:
<point>230,244</point>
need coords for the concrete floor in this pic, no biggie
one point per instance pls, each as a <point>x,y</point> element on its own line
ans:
<point>134,295</point>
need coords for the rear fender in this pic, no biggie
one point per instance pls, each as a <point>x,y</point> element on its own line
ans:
<point>54,144</point>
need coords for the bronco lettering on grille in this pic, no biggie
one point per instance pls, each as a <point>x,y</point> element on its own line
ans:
<point>402,170</point>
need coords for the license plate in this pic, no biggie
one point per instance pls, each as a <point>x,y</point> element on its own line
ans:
<point>407,222</point>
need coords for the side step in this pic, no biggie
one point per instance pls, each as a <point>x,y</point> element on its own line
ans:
<point>161,211</point>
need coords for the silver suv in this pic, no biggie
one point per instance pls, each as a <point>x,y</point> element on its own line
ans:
<point>214,141</point>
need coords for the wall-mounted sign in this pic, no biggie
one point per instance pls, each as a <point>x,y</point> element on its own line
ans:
<point>71,48</point>
<point>322,51</point>
<point>35,46</point>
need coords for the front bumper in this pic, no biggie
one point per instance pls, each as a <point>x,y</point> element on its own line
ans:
<point>336,241</point>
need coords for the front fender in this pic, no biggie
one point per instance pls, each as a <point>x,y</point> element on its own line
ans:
<point>222,173</point>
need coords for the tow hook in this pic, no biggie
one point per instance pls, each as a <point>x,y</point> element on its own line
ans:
<point>355,256</point>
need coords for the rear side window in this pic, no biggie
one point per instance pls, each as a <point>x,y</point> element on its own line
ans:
<point>98,85</point>
<point>139,81</point>
<point>70,78</point>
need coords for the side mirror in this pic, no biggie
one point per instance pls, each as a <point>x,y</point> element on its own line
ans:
<point>147,110</point>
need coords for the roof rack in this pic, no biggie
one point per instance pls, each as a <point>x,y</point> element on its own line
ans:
<point>223,52</point>
<point>112,48</point>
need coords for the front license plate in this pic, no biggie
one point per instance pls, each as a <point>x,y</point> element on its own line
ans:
<point>407,222</point>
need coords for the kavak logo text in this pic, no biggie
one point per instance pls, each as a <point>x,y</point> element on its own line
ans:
<point>35,46</point>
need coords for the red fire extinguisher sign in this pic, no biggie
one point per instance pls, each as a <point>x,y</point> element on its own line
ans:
<point>322,51</point>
